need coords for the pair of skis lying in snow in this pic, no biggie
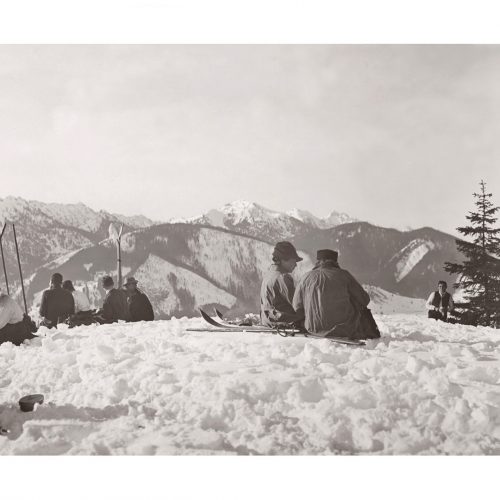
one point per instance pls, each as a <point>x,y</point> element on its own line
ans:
<point>221,325</point>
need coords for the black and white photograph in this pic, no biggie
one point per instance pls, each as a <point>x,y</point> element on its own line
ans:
<point>249,249</point>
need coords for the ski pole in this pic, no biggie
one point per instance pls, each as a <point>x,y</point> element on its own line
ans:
<point>3,259</point>
<point>119,256</point>
<point>20,271</point>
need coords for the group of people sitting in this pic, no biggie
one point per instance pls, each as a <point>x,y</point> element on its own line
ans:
<point>327,302</point>
<point>62,303</point>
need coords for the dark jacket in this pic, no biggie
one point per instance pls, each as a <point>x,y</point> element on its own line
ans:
<point>57,304</point>
<point>276,295</point>
<point>115,306</point>
<point>325,296</point>
<point>139,307</point>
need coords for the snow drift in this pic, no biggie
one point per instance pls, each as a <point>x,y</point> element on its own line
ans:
<point>154,388</point>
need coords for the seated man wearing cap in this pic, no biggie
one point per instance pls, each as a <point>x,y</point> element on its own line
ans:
<point>326,298</point>
<point>114,307</point>
<point>139,306</point>
<point>12,325</point>
<point>277,288</point>
<point>57,304</point>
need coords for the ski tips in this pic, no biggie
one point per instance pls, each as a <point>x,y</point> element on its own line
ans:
<point>218,313</point>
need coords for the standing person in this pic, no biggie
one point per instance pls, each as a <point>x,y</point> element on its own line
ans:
<point>82,303</point>
<point>440,303</point>
<point>13,328</point>
<point>57,304</point>
<point>329,298</point>
<point>139,306</point>
<point>278,287</point>
<point>114,307</point>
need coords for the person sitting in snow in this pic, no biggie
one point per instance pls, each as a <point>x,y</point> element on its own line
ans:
<point>278,287</point>
<point>13,327</point>
<point>114,307</point>
<point>84,315</point>
<point>57,304</point>
<point>440,303</point>
<point>82,303</point>
<point>330,299</point>
<point>139,306</point>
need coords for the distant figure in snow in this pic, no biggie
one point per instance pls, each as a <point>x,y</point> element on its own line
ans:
<point>440,303</point>
<point>12,325</point>
<point>82,303</point>
<point>114,307</point>
<point>330,299</point>
<point>278,287</point>
<point>57,304</point>
<point>139,306</point>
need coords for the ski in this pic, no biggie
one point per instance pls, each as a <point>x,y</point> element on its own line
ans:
<point>220,327</point>
<point>219,314</point>
<point>217,324</point>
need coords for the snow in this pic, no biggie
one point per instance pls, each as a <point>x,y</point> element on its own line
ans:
<point>153,388</point>
<point>164,281</point>
<point>409,256</point>
<point>384,302</point>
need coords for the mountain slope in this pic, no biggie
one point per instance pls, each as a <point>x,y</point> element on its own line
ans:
<point>407,263</point>
<point>47,231</point>
<point>181,267</point>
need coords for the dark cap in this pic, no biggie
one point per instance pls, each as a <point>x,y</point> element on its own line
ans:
<point>68,285</point>
<point>131,281</point>
<point>284,250</point>
<point>327,254</point>
<point>27,403</point>
<point>56,278</point>
<point>107,281</point>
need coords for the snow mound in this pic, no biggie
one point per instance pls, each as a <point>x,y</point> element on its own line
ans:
<point>155,388</point>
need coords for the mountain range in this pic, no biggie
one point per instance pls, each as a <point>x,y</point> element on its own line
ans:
<point>216,259</point>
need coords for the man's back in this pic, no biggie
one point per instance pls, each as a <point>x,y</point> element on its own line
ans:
<point>276,297</point>
<point>325,294</point>
<point>140,308</point>
<point>57,304</point>
<point>115,306</point>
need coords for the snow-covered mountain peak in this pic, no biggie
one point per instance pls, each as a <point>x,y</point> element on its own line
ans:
<point>74,215</point>
<point>337,218</point>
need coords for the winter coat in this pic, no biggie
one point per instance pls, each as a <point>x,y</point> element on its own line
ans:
<point>140,308</point>
<point>276,295</point>
<point>115,306</point>
<point>57,304</point>
<point>10,312</point>
<point>326,297</point>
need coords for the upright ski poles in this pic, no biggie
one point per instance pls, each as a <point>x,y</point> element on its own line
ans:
<point>117,236</point>
<point>20,271</point>
<point>3,259</point>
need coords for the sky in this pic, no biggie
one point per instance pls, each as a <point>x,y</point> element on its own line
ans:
<point>397,135</point>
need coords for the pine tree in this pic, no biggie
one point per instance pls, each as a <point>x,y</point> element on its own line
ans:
<point>480,271</point>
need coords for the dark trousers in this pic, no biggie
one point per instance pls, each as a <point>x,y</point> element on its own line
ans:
<point>437,315</point>
<point>16,333</point>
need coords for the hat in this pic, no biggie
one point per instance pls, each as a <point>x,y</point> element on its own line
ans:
<point>107,281</point>
<point>131,281</point>
<point>284,250</point>
<point>327,254</point>
<point>56,278</point>
<point>27,403</point>
<point>68,285</point>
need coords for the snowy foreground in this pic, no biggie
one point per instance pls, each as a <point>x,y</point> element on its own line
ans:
<point>425,387</point>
